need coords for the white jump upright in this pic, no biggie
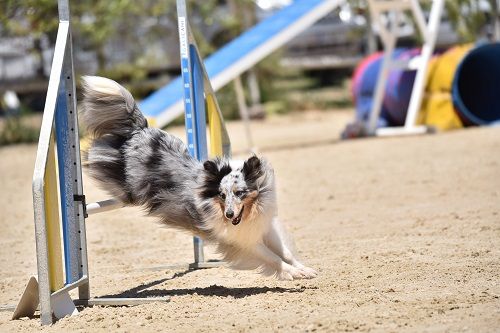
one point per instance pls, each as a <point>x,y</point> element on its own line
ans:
<point>385,17</point>
<point>59,203</point>
<point>58,199</point>
<point>58,196</point>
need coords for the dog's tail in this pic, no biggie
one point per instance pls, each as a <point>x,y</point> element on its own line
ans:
<point>109,109</point>
<point>111,118</point>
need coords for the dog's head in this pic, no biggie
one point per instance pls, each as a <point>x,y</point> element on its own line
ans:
<point>237,189</point>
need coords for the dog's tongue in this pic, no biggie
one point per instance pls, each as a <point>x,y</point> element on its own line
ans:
<point>237,219</point>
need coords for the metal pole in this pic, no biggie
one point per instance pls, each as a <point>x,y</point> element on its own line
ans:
<point>496,20</point>
<point>39,174</point>
<point>242,107</point>
<point>189,100</point>
<point>428,48</point>
<point>389,44</point>
<point>389,41</point>
<point>253,87</point>
<point>63,8</point>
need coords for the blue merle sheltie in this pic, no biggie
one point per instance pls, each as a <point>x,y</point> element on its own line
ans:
<point>229,203</point>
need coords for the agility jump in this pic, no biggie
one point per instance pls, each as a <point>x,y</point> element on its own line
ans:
<point>58,197</point>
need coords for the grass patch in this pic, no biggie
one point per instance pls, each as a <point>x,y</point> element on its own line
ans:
<point>15,130</point>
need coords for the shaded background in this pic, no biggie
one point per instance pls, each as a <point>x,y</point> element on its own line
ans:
<point>136,43</point>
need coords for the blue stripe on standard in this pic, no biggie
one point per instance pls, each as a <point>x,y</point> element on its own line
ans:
<point>200,131</point>
<point>188,117</point>
<point>64,133</point>
<point>200,121</point>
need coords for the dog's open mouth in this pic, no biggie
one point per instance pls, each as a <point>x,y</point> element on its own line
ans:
<point>237,219</point>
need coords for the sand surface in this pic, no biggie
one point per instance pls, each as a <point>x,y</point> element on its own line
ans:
<point>404,232</point>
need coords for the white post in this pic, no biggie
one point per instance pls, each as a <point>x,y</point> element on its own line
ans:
<point>242,107</point>
<point>429,36</point>
<point>253,87</point>
<point>389,35</point>
<point>389,41</point>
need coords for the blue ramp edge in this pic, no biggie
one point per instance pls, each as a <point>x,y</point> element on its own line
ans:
<point>166,97</point>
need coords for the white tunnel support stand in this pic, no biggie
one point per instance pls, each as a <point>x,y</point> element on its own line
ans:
<point>389,35</point>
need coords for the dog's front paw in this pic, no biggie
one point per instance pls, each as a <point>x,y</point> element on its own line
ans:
<point>289,272</point>
<point>306,271</point>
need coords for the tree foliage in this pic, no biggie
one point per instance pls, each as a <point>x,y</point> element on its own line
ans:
<point>469,17</point>
<point>94,22</point>
<point>142,23</point>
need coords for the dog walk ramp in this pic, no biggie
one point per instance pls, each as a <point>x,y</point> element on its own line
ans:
<point>239,55</point>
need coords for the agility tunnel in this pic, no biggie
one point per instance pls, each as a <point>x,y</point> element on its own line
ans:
<point>363,85</point>
<point>476,86</point>
<point>398,89</point>
<point>461,88</point>
<point>397,92</point>
<point>437,109</point>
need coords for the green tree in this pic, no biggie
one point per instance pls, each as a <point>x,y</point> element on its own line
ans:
<point>94,23</point>
<point>468,17</point>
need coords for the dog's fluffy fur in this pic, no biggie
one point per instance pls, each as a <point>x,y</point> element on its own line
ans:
<point>229,203</point>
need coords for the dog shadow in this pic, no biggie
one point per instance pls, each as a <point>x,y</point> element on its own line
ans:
<point>144,291</point>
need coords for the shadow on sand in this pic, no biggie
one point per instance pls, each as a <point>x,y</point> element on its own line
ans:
<point>144,291</point>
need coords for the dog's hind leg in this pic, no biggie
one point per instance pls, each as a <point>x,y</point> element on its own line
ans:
<point>275,241</point>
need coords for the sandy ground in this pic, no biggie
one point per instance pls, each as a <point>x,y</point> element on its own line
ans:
<point>405,234</point>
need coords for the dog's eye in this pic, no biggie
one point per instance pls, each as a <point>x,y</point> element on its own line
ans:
<point>222,196</point>
<point>239,193</point>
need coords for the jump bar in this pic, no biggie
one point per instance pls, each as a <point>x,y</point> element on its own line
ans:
<point>103,206</point>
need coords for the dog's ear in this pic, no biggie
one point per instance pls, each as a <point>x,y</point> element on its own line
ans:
<point>211,167</point>
<point>215,170</point>
<point>252,169</point>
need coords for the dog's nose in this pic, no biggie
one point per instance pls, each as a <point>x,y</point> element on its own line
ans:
<point>229,214</point>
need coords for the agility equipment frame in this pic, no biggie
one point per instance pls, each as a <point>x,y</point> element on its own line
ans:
<point>199,101</point>
<point>391,10</point>
<point>58,200</point>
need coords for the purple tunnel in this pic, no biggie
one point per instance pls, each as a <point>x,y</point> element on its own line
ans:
<point>397,92</point>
